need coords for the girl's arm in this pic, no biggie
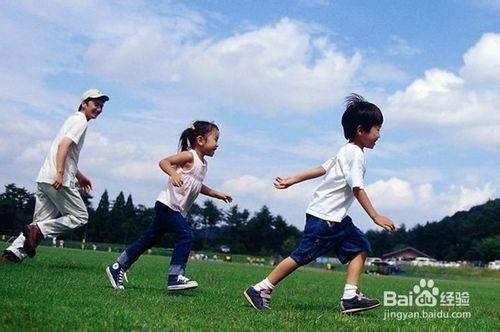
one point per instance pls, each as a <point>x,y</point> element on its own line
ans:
<point>282,183</point>
<point>363,199</point>
<point>182,159</point>
<point>215,194</point>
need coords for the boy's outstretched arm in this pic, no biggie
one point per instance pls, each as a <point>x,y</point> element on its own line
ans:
<point>382,221</point>
<point>215,194</point>
<point>282,183</point>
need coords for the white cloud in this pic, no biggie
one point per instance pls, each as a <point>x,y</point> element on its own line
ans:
<point>465,198</point>
<point>393,194</point>
<point>459,107</point>
<point>279,71</point>
<point>482,61</point>
<point>401,46</point>
<point>397,196</point>
<point>382,72</point>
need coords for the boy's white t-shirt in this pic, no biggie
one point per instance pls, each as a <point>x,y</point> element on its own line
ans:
<point>181,198</point>
<point>74,128</point>
<point>334,195</point>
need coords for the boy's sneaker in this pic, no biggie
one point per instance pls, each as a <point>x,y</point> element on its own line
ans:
<point>116,274</point>
<point>180,282</point>
<point>357,304</point>
<point>258,299</point>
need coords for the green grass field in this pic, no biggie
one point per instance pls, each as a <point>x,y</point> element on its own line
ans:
<point>67,289</point>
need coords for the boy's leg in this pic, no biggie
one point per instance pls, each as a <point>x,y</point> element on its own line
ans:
<point>280,272</point>
<point>352,300</point>
<point>259,295</point>
<point>355,268</point>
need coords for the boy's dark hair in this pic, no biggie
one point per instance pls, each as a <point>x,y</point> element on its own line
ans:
<point>359,112</point>
<point>197,128</point>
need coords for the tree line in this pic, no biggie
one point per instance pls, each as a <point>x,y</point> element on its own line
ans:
<point>472,235</point>
<point>467,235</point>
<point>121,221</point>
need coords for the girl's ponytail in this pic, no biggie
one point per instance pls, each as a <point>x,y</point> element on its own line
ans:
<point>198,128</point>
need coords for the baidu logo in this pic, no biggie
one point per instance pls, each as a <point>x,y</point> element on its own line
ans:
<point>426,294</point>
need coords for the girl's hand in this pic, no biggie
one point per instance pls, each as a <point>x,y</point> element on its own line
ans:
<point>385,223</point>
<point>176,180</point>
<point>225,197</point>
<point>283,183</point>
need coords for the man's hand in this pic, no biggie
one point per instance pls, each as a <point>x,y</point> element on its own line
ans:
<point>58,180</point>
<point>84,183</point>
<point>385,223</point>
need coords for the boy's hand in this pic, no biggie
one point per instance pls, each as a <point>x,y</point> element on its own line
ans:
<point>385,223</point>
<point>176,180</point>
<point>225,197</point>
<point>283,183</point>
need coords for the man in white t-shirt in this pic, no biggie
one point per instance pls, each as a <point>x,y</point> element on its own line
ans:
<point>328,227</point>
<point>59,207</point>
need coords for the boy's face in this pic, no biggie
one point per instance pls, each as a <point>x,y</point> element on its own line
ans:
<point>92,108</point>
<point>368,138</point>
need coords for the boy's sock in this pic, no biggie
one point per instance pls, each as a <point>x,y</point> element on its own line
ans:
<point>264,284</point>
<point>349,291</point>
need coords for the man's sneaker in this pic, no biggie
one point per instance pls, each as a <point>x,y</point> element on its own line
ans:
<point>258,299</point>
<point>32,235</point>
<point>9,258</point>
<point>358,303</point>
<point>180,282</point>
<point>116,275</point>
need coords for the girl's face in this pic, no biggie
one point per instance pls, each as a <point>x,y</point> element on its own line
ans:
<point>208,143</point>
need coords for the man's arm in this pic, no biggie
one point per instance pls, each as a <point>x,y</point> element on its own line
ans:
<point>363,199</point>
<point>61,155</point>
<point>282,183</point>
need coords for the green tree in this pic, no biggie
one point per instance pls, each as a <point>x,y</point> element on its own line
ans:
<point>16,209</point>
<point>97,220</point>
<point>211,216</point>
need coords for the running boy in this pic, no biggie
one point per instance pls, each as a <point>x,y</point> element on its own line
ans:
<point>328,227</point>
<point>186,171</point>
<point>57,181</point>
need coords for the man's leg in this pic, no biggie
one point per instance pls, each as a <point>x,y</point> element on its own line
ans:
<point>71,206</point>
<point>44,210</point>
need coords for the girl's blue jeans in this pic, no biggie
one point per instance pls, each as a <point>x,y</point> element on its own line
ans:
<point>166,220</point>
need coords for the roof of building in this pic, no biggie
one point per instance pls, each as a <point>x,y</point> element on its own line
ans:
<point>392,253</point>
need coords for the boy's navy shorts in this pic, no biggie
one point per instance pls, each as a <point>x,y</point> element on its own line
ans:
<point>320,237</point>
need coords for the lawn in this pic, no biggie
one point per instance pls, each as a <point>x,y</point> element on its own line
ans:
<point>63,289</point>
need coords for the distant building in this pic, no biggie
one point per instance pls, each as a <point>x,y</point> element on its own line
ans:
<point>408,253</point>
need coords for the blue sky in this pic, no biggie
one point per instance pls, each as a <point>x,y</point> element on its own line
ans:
<point>272,75</point>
